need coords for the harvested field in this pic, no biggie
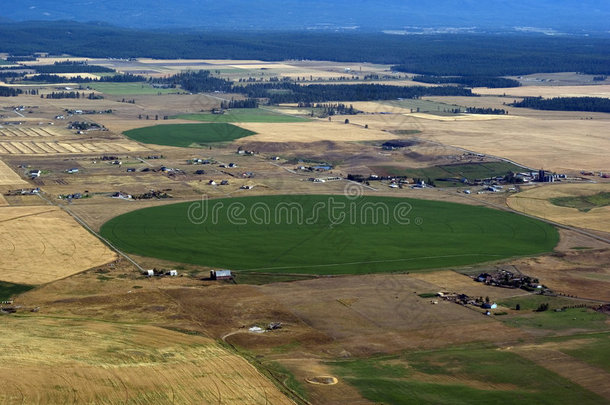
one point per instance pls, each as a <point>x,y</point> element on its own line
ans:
<point>8,177</point>
<point>313,131</point>
<point>602,90</point>
<point>581,273</point>
<point>537,201</point>
<point>451,281</point>
<point>590,377</point>
<point>462,117</point>
<point>555,144</point>
<point>67,147</point>
<point>31,132</point>
<point>64,361</point>
<point>39,244</point>
<point>383,313</point>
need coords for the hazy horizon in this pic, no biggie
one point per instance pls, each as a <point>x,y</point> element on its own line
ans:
<point>544,16</point>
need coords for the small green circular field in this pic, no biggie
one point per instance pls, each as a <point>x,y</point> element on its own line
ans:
<point>328,234</point>
<point>188,135</point>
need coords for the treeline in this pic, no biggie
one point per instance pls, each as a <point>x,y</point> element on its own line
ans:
<point>9,91</point>
<point>479,110</point>
<point>196,82</point>
<point>17,58</point>
<point>592,104</point>
<point>481,55</point>
<point>120,78</point>
<point>70,67</point>
<point>329,109</point>
<point>468,81</point>
<point>72,94</point>
<point>287,92</point>
<point>48,78</point>
<point>9,75</point>
<point>248,103</point>
<point>51,78</point>
<point>318,93</point>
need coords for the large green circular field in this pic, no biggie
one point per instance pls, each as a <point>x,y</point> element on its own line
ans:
<point>328,234</point>
<point>188,135</point>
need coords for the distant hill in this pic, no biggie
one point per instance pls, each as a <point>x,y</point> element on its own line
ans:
<point>482,55</point>
<point>541,15</point>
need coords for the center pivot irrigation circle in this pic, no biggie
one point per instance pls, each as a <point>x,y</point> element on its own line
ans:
<point>328,234</point>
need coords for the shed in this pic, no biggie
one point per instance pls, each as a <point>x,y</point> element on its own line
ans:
<point>149,273</point>
<point>172,273</point>
<point>221,275</point>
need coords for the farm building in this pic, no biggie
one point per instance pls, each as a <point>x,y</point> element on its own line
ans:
<point>172,273</point>
<point>221,275</point>
<point>34,173</point>
<point>149,273</point>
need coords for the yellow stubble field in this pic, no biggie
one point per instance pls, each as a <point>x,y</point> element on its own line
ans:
<point>536,202</point>
<point>63,361</point>
<point>9,178</point>
<point>602,90</point>
<point>40,244</point>
<point>335,131</point>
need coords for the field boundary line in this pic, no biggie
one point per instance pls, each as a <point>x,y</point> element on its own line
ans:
<point>26,215</point>
<point>548,221</point>
<point>88,228</point>
<point>367,262</point>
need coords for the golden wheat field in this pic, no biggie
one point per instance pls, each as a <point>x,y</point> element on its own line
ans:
<point>8,177</point>
<point>536,202</point>
<point>602,90</point>
<point>550,144</point>
<point>60,361</point>
<point>53,148</point>
<point>334,131</point>
<point>40,244</point>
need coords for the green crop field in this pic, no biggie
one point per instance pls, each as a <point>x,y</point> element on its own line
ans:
<point>242,115</point>
<point>426,106</point>
<point>124,89</point>
<point>596,350</point>
<point>470,171</point>
<point>551,321</point>
<point>328,234</point>
<point>7,290</point>
<point>584,203</point>
<point>531,302</point>
<point>465,375</point>
<point>188,135</point>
